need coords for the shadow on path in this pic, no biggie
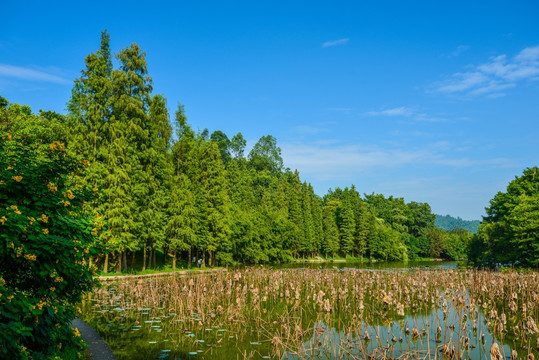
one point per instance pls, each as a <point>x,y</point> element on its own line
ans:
<point>97,348</point>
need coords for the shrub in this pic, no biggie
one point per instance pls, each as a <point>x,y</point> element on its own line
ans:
<point>46,240</point>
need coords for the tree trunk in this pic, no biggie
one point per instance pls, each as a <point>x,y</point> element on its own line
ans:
<point>144,256</point>
<point>153,259</point>
<point>174,261</point>
<point>133,260</point>
<point>124,261</point>
<point>189,259</point>
<point>119,263</point>
<point>165,254</point>
<point>106,266</point>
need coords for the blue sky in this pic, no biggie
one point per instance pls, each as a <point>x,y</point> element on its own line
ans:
<point>432,101</point>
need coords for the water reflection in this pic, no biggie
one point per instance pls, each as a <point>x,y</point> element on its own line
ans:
<point>321,313</point>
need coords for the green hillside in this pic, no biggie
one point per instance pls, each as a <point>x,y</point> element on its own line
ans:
<point>448,222</point>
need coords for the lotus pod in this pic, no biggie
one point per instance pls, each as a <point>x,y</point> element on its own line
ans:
<point>495,353</point>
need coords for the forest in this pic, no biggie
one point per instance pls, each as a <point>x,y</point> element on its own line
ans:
<point>449,222</point>
<point>164,188</point>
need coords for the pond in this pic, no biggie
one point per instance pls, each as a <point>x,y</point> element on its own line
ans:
<point>324,312</point>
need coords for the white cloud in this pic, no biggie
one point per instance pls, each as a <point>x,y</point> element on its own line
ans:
<point>309,130</point>
<point>398,111</point>
<point>491,78</point>
<point>335,42</point>
<point>345,162</point>
<point>24,73</point>
<point>407,112</point>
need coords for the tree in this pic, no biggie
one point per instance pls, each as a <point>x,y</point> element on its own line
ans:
<point>331,231</point>
<point>524,222</point>
<point>507,233</point>
<point>346,223</point>
<point>223,143</point>
<point>363,228</point>
<point>266,155</point>
<point>217,204</point>
<point>47,238</point>
<point>237,145</point>
<point>181,225</point>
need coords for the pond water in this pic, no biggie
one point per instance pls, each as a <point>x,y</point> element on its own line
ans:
<point>320,311</point>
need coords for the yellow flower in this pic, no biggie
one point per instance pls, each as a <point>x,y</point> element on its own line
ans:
<point>2,282</point>
<point>85,162</point>
<point>43,218</point>
<point>15,209</point>
<point>30,257</point>
<point>17,178</point>
<point>3,219</point>
<point>70,195</point>
<point>52,188</point>
<point>59,279</point>
<point>52,288</point>
<point>46,231</point>
<point>53,146</point>
<point>76,331</point>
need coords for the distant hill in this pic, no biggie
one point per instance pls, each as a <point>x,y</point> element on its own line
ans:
<point>448,222</point>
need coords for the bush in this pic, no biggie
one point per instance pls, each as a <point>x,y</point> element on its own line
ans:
<point>46,240</point>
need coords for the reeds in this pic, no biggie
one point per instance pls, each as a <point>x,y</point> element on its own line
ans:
<point>325,314</point>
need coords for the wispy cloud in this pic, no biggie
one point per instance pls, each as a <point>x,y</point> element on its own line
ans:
<point>406,112</point>
<point>309,130</point>
<point>335,42</point>
<point>493,77</point>
<point>339,161</point>
<point>459,50</point>
<point>398,111</point>
<point>30,74</point>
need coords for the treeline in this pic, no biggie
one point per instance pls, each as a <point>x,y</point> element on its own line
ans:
<point>509,234</point>
<point>448,222</point>
<point>165,187</point>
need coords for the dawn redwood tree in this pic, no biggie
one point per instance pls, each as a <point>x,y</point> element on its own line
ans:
<point>331,231</point>
<point>180,228</point>
<point>217,204</point>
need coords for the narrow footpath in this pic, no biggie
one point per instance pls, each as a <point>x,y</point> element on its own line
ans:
<point>97,348</point>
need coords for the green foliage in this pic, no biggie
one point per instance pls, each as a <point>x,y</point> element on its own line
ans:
<point>509,234</point>
<point>266,155</point>
<point>46,240</point>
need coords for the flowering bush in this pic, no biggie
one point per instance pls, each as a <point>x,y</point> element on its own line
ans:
<point>46,240</point>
